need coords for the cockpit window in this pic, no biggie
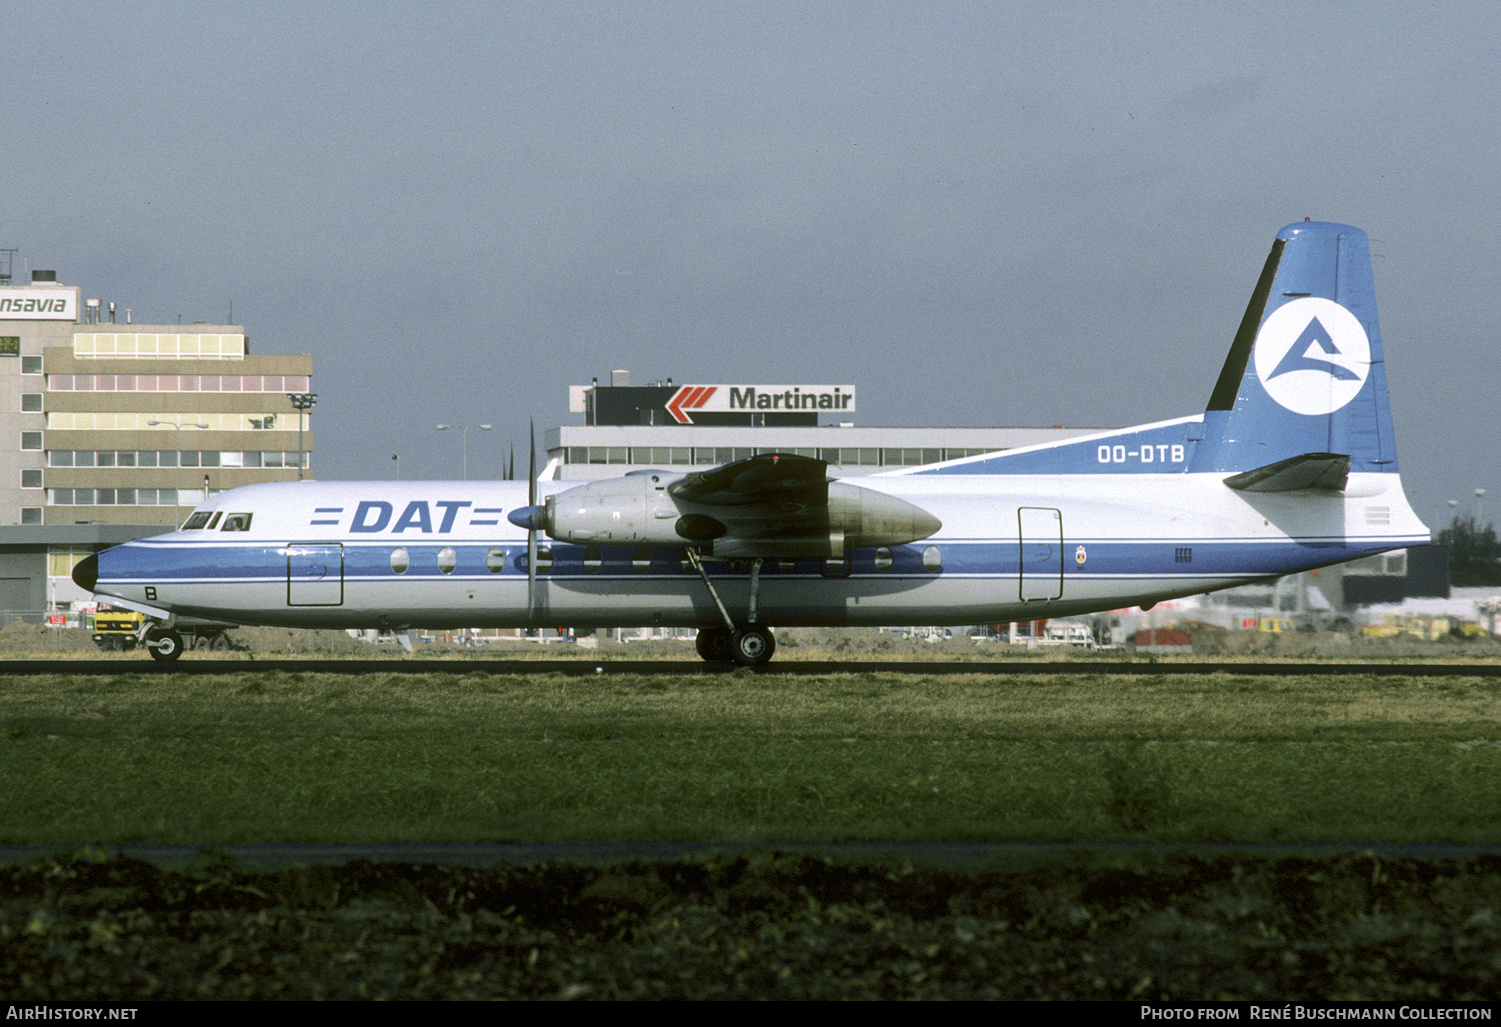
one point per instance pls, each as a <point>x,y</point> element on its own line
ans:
<point>214,520</point>
<point>196,521</point>
<point>237,522</point>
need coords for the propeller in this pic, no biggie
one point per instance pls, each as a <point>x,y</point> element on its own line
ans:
<point>530,518</point>
<point>534,520</point>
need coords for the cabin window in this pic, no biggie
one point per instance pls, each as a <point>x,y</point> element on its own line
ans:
<point>544,559</point>
<point>447,560</point>
<point>883,559</point>
<point>237,522</point>
<point>932,559</point>
<point>400,560</point>
<point>640,559</point>
<point>495,561</point>
<point>196,521</point>
<point>592,559</point>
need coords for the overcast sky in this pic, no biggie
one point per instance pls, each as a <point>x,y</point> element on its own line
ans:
<point>979,214</point>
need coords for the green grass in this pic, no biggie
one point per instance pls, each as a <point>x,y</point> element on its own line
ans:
<point>740,757</point>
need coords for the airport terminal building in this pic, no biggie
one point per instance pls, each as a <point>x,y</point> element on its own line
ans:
<point>682,427</point>
<point>111,430</point>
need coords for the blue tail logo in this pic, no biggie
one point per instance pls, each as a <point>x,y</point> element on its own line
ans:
<point>1312,356</point>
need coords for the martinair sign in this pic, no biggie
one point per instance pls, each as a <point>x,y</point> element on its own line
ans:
<point>32,304</point>
<point>690,399</point>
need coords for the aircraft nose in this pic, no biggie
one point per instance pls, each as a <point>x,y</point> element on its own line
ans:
<point>86,573</point>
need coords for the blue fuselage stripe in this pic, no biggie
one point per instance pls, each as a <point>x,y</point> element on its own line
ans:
<point>146,563</point>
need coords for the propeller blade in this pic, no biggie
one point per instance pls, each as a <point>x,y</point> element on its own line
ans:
<point>531,531</point>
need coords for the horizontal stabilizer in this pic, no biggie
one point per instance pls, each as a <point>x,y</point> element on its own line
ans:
<point>1308,471</point>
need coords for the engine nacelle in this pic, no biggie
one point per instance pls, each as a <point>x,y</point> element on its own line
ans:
<point>638,510</point>
<point>617,511</point>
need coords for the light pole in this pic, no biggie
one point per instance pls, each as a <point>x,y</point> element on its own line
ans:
<point>465,429</point>
<point>1479,506</point>
<point>303,401</point>
<point>177,471</point>
<point>397,457</point>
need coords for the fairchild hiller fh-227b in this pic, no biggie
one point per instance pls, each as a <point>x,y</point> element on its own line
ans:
<point>1292,465</point>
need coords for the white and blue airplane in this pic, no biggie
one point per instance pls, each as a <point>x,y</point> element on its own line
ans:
<point>1293,465</point>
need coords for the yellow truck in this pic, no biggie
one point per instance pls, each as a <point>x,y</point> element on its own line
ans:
<point>116,629</point>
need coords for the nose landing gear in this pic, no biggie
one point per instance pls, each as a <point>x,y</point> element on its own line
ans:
<point>165,645</point>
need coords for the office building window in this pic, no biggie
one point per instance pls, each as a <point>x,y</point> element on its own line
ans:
<point>177,383</point>
<point>126,497</point>
<point>79,420</point>
<point>31,402</point>
<point>31,478</point>
<point>158,346</point>
<point>153,458</point>
<point>31,440</point>
<point>31,365</point>
<point>31,515</point>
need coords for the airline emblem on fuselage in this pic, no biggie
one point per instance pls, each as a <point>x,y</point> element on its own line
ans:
<point>1313,356</point>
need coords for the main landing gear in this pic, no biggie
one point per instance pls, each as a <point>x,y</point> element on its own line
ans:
<point>749,646</point>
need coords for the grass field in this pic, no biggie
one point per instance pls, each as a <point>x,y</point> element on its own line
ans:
<point>740,757</point>
<point>455,756</point>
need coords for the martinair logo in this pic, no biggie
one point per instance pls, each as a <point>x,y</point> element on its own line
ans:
<point>775,398</point>
<point>689,397</point>
<point>1312,356</point>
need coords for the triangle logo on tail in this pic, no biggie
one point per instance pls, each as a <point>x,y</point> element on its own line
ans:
<point>1313,356</point>
<point>1316,350</point>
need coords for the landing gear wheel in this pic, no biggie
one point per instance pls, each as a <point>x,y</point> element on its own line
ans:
<point>219,643</point>
<point>713,645</point>
<point>165,646</point>
<point>753,646</point>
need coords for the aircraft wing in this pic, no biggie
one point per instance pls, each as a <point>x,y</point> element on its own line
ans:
<point>781,480</point>
<point>781,504</point>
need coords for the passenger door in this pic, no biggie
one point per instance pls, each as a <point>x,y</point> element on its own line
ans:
<point>1041,534</point>
<point>315,574</point>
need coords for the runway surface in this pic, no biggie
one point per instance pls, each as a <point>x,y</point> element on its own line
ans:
<point>584,668</point>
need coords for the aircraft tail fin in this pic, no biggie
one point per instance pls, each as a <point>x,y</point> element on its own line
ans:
<point>1305,376</point>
